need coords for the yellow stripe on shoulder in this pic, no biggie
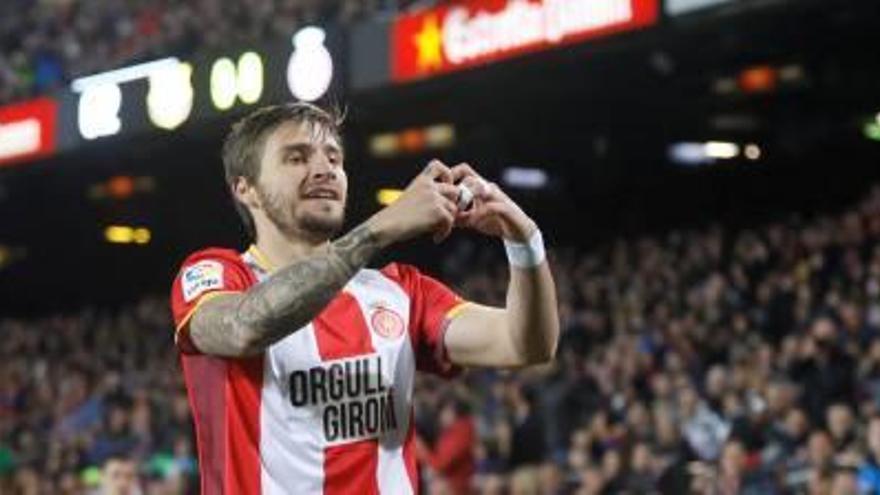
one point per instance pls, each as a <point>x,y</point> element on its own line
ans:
<point>457,309</point>
<point>206,297</point>
<point>261,259</point>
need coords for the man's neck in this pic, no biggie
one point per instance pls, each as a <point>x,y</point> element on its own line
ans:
<point>281,250</point>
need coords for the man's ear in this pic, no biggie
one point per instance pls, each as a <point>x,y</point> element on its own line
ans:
<point>246,193</point>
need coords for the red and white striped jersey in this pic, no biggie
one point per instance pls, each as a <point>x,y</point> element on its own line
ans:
<point>327,409</point>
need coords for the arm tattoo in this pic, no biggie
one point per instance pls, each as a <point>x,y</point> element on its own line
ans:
<point>283,303</point>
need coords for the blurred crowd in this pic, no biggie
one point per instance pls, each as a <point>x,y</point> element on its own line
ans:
<point>710,361</point>
<point>84,397</point>
<point>47,43</point>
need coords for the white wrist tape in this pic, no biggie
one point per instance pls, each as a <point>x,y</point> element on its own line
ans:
<point>526,254</point>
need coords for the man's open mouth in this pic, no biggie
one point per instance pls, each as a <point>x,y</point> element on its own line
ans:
<point>322,193</point>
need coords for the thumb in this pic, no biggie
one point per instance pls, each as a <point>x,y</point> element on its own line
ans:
<point>438,170</point>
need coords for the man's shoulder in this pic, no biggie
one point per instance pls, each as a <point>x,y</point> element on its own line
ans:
<point>211,267</point>
<point>208,270</point>
<point>406,275</point>
<point>398,271</point>
<point>213,253</point>
<point>414,281</point>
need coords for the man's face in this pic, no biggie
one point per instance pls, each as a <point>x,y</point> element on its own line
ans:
<point>840,420</point>
<point>819,449</point>
<point>874,436</point>
<point>302,184</point>
<point>119,478</point>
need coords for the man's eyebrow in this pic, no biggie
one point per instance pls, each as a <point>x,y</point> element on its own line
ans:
<point>304,148</point>
<point>307,149</point>
<point>334,147</point>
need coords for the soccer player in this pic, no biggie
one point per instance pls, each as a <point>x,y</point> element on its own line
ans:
<point>299,361</point>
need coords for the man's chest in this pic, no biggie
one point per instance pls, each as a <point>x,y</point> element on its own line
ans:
<point>350,371</point>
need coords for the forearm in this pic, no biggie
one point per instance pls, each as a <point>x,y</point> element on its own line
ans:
<point>531,313</point>
<point>286,301</point>
<point>522,333</point>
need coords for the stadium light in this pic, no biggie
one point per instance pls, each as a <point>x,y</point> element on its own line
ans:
<point>118,234</point>
<point>695,153</point>
<point>230,81</point>
<point>121,187</point>
<point>384,145</point>
<point>752,152</point>
<point>223,84</point>
<point>98,112</point>
<point>524,177</point>
<point>872,131</point>
<point>387,196</point>
<point>101,98</point>
<point>123,75</point>
<point>19,138</point>
<point>412,140</point>
<point>440,136</point>
<point>28,129</point>
<point>310,68</point>
<point>721,149</point>
<point>170,98</point>
<point>123,234</point>
<point>688,154</point>
<point>250,77</point>
<point>758,79</point>
<point>141,235</point>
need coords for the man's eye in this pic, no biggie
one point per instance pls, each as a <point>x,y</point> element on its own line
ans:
<point>295,158</point>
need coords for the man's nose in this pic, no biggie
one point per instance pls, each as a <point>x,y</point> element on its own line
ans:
<point>322,169</point>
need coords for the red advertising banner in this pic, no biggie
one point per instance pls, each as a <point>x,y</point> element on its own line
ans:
<point>475,32</point>
<point>27,130</point>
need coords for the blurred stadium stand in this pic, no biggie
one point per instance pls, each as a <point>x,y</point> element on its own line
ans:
<point>721,314</point>
<point>749,356</point>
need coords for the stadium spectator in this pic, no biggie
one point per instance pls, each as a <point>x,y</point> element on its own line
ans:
<point>451,458</point>
<point>119,477</point>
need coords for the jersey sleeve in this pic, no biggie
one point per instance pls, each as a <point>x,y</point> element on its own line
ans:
<point>203,275</point>
<point>432,306</point>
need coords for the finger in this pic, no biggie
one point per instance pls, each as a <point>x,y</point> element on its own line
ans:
<point>470,219</point>
<point>443,233</point>
<point>450,207</point>
<point>487,190</point>
<point>444,228</point>
<point>496,208</point>
<point>463,170</point>
<point>437,171</point>
<point>477,185</point>
<point>448,191</point>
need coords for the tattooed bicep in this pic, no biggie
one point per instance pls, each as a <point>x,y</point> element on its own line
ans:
<point>213,327</point>
<point>245,324</point>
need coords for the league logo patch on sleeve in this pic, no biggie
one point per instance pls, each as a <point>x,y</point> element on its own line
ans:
<point>203,276</point>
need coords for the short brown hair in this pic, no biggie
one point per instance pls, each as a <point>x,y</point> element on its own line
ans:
<point>243,146</point>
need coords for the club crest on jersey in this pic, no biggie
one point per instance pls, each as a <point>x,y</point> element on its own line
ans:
<point>386,322</point>
<point>203,276</point>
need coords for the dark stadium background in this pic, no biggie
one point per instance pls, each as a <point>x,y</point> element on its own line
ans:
<point>598,117</point>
